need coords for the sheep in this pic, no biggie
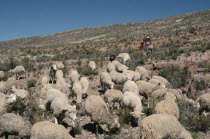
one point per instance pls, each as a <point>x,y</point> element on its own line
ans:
<point>132,100</point>
<point>59,65</point>
<point>131,86</point>
<point>77,91</point>
<point>144,74</point>
<point>12,124</point>
<point>204,103</point>
<point>167,106</point>
<point>110,67</point>
<point>92,65</point>
<point>113,96</point>
<point>85,84</point>
<point>98,110</point>
<point>74,76</point>
<point>59,104</point>
<point>2,75</point>
<point>163,80</point>
<point>163,91</point>
<point>48,130</point>
<point>120,68</point>
<point>156,82</point>
<point>146,89</point>
<point>61,83</point>
<point>45,80</point>
<point>159,126</point>
<point>106,81</point>
<point>124,57</point>
<point>18,70</point>
<point>5,101</point>
<point>20,92</point>
<point>118,78</point>
<point>2,87</point>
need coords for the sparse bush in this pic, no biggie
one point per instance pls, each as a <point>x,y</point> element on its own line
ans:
<point>125,116</point>
<point>200,85</point>
<point>118,87</point>
<point>77,129</point>
<point>31,83</point>
<point>177,76</point>
<point>87,71</point>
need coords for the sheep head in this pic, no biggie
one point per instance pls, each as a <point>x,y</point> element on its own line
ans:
<point>70,111</point>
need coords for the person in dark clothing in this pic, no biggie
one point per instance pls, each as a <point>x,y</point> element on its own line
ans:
<point>53,70</point>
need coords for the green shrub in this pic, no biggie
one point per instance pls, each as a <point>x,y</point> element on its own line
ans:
<point>87,71</point>
<point>77,129</point>
<point>177,76</point>
<point>200,85</point>
<point>118,87</point>
<point>125,116</point>
<point>31,83</point>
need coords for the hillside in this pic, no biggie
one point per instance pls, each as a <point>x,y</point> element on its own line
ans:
<point>117,31</point>
<point>181,56</point>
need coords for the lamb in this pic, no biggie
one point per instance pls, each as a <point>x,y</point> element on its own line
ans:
<point>110,67</point>
<point>146,89</point>
<point>159,126</point>
<point>113,96</point>
<point>12,124</point>
<point>106,81</point>
<point>204,103</point>
<point>48,130</point>
<point>144,74</point>
<point>131,86</point>
<point>74,76</point>
<point>18,70</point>
<point>92,65</point>
<point>120,67</point>
<point>133,101</point>
<point>118,78</point>
<point>59,104</point>
<point>98,110</point>
<point>167,106</point>
<point>20,92</point>
<point>124,57</point>
<point>85,84</point>
<point>2,75</point>
<point>77,91</point>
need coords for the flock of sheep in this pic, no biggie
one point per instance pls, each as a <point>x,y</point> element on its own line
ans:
<point>59,99</point>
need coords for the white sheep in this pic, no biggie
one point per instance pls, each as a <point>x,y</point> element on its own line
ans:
<point>156,82</point>
<point>85,84</point>
<point>144,74</point>
<point>133,101</point>
<point>113,96</point>
<point>131,86</point>
<point>2,75</point>
<point>12,124</point>
<point>77,91</point>
<point>98,110</point>
<point>5,101</point>
<point>159,126</point>
<point>61,84</point>
<point>146,89</point>
<point>48,130</point>
<point>124,56</point>
<point>92,65</point>
<point>163,91</point>
<point>18,71</point>
<point>74,76</point>
<point>163,80</point>
<point>3,87</point>
<point>167,106</point>
<point>106,81</point>
<point>110,67</point>
<point>204,103</point>
<point>120,67</point>
<point>118,78</point>
<point>20,92</point>
<point>59,103</point>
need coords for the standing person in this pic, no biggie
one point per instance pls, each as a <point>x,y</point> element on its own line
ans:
<point>147,47</point>
<point>142,45</point>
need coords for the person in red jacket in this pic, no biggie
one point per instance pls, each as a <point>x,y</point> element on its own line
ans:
<point>142,45</point>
